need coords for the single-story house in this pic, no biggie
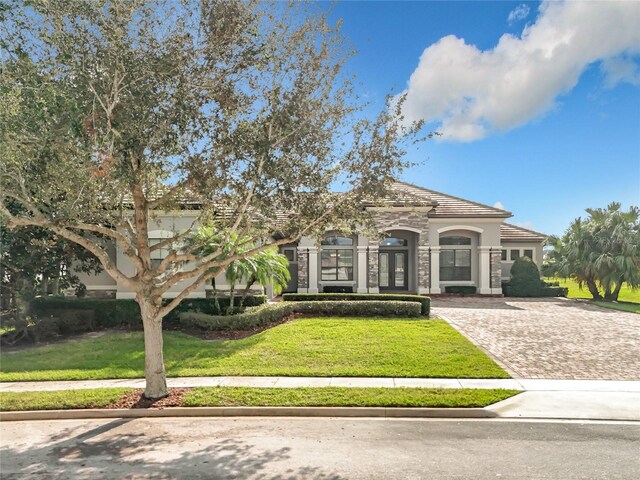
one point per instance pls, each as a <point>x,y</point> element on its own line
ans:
<point>432,240</point>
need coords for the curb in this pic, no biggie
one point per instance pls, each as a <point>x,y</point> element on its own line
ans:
<point>371,412</point>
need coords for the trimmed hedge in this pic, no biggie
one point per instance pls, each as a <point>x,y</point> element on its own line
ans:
<point>542,291</point>
<point>460,289</point>
<point>265,314</point>
<point>425,302</point>
<point>109,313</point>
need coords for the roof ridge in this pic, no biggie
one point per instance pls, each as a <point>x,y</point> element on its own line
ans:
<point>525,229</point>
<point>428,190</point>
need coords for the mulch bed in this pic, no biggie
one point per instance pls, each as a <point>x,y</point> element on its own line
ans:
<point>136,399</point>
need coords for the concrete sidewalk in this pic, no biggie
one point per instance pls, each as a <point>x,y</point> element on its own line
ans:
<point>537,385</point>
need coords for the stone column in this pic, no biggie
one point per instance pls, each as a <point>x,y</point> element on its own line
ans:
<point>313,270</point>
<point>423,269</point>
<point>303,270</point>
<point>435,270</point>
<point>484,272</point>
<point>496,270</point>
<point>362,269</point>
<point>373,269</point>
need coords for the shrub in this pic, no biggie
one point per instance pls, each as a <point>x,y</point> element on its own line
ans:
<point>554,291</point>
<point>265,314</point>
<point>525,279</point>
<point>425,302</point>
<point>337,289</point>
<point>461,289</point>
<point>109,313</point>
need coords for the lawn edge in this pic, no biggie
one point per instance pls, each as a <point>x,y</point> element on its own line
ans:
<point>370,412</point>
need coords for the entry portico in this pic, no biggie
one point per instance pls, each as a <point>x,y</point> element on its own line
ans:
<point>430,241</point>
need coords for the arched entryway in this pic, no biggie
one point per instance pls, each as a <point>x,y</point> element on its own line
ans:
<point>396,261</point>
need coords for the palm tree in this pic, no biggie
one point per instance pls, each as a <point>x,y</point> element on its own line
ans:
<point>268,267</point>
<point>602,251</point>
<point>265,267</point>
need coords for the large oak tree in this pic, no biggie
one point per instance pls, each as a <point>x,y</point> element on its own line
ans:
<point>114,111</point>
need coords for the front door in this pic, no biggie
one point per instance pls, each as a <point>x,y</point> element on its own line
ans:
<point>393,270</point>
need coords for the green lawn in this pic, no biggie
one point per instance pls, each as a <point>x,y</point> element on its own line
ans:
<point>305,347</point>
<point>240,396</point>
<point>344,397</point>
<point>628,300</point>
<point>64,399</point>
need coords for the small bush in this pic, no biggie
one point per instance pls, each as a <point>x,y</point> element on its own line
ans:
<point>425,302</point>
<point>461,289</point>
<point>525,279</point>
<point>554,291</point>
<point>337,289</point>
<point>265,314</point>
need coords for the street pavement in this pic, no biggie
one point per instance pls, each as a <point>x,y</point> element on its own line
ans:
<point>320,448</point>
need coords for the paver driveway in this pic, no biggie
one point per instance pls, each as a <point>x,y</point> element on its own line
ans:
<point>549,337</point>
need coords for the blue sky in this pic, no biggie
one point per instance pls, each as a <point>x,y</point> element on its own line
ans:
<point>545,134</point>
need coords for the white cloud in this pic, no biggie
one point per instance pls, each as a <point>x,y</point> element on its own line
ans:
<point>499,205</point>
<point>469,93</point>
<point>519,13</point>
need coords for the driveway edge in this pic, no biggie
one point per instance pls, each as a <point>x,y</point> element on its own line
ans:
<point>371,412</point>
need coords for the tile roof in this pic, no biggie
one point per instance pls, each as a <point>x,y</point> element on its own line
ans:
<point>449,206</point>
<point>513,233</point>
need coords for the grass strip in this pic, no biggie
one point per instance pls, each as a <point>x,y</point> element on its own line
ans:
<point>343,397</point>
<point>310,347</point>
<point>267,397</point>
<point>621,306</point>
<point>60,400</point>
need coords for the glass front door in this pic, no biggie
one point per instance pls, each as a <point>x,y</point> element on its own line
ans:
<point>393,270</point>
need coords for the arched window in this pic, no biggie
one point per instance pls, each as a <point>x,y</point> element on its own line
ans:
<point>394,242</point>
<point>336,259</point>
<point>455,258</point>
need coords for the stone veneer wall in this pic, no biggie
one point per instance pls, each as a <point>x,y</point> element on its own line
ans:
<point>373,267</point>
<point>496,269</point>
<point>303,269</point>
<point>399,220</point>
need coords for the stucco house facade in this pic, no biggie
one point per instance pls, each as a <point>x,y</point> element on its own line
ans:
<point>431,241</point>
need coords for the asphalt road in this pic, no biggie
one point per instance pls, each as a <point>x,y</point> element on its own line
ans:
<point>322,448</point>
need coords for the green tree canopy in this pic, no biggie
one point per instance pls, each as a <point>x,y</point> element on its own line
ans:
<point>112,111</point>
<point>601,251</point>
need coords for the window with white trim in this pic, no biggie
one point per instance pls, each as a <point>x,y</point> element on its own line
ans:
<point>336,259</point>
<point>455,258</point>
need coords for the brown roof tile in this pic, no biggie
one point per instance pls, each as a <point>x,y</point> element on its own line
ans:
<point>513,233</point>
<point>450,206</point>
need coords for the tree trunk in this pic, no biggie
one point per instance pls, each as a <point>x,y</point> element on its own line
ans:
<point>44,285</point>
<point>56,286</point>
<point>154,373</point>
<point>245,293</point>
<point>593,289</point>
<point>613,296</point>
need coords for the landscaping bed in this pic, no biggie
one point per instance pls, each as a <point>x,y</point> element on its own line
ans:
<point>255,397</point>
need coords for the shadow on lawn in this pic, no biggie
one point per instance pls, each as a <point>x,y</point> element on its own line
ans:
<point>126,448</point>
<point>122,354</point>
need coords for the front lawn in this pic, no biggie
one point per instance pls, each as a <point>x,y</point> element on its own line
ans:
<point>628,300</point>
<point>268,397</point>
<point>305,347</point>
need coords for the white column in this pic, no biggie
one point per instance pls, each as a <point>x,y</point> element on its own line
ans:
<point>484,272</point>
<point>435,270</point>
<point>313,270</point>
<point>362,269</point>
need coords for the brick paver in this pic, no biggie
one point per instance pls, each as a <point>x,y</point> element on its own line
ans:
<point>553,338</point>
